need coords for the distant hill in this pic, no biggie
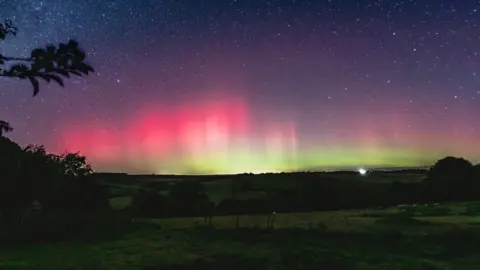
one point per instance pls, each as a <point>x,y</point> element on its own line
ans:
<point>129,178</point>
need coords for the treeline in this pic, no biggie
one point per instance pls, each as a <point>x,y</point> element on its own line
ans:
<point>450,179</point>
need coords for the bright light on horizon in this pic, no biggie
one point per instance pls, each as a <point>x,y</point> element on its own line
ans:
<point>362,171</point>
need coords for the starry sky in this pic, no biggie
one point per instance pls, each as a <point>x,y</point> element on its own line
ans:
<point>225,86</point>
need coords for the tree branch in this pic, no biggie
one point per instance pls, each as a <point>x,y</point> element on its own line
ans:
<point>7,58</point>
<point>50,63</point>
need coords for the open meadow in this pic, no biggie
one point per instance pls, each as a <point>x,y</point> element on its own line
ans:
<point>407,237</point>
<point>319,240</point>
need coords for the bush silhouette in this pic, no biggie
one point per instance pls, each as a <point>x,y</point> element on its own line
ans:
<point>451,168</point>
<point>63,184</point>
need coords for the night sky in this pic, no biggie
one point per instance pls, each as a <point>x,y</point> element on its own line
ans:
<point>224,86</point>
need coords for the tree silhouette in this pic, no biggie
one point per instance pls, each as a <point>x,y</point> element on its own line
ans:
<point>31,174</point>
<point>451,178</point>
<point>450,169</point>
<point>5,127</point>
<point>51,63</point>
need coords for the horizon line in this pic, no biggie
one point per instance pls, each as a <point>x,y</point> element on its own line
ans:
<point>313,170</point>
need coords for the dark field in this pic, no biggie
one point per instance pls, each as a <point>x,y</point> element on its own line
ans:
<point>332,240</point>
<point>433,236</point>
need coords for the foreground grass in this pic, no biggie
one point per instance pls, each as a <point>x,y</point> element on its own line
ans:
<point>322,240</point>
<point>155,248</point>
<point>347,220</point>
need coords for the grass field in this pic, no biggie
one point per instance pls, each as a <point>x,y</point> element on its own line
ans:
<point>407,237</point>
<point>318,240</point>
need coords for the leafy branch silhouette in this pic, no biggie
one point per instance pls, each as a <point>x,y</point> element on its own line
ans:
<point>5,127</point>
<point>51,63</point>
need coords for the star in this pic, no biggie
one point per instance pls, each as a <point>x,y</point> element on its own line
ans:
<point>181,83</point>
